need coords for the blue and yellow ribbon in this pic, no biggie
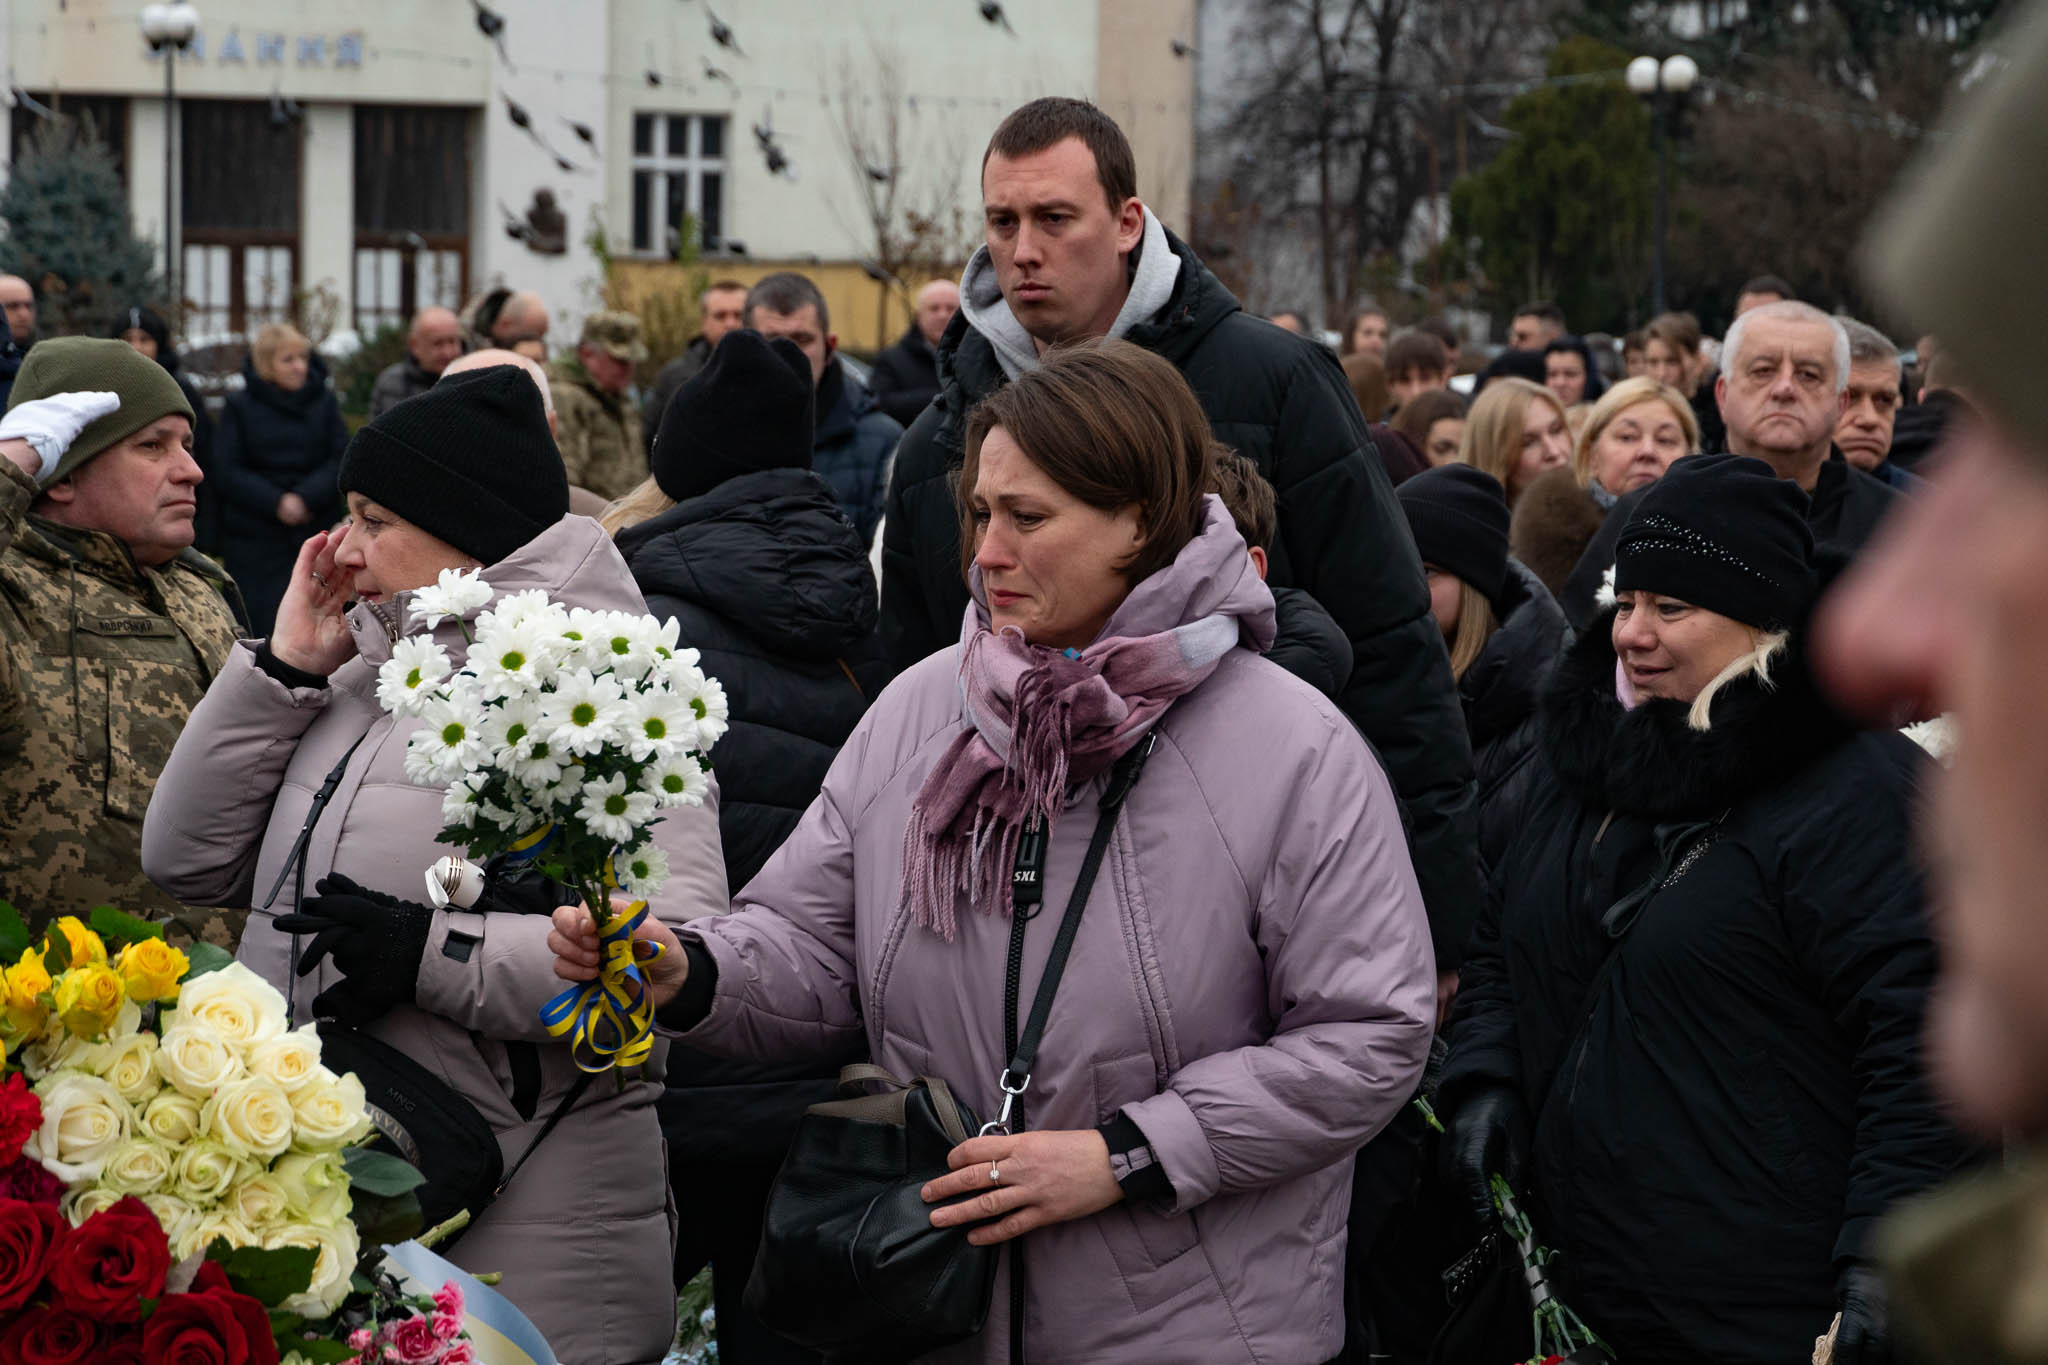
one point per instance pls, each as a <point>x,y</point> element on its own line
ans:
<point>531,845</point>
<point>609,1022</point>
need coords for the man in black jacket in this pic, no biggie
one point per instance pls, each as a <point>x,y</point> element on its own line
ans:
<point>1072,254</point>
<point>1783,384</point>
<point>906,375</point>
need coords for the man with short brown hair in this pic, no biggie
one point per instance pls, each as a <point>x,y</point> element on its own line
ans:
<point>598,429</point>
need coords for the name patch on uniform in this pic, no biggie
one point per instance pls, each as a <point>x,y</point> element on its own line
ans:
<point>145,627</point>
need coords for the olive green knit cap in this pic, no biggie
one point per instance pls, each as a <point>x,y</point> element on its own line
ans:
<point>87,364</point>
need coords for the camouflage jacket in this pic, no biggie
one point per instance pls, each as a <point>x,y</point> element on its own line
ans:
<point>101,661</point>
<point>1968,1266</point>
<point>599,433</point>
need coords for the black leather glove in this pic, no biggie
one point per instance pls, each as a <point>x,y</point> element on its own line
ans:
<point>1865,1337</point>
<point>376,942</point>
<point>523,890</point>
<point>1488,1135</point>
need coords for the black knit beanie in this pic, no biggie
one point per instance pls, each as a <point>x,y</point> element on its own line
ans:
<point>747,410</point>
<point>1460,519</point>
<point>469,460</point>
<point>1722,532</point>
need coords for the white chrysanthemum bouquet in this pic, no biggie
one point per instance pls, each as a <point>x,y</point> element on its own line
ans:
<point>560,741</point>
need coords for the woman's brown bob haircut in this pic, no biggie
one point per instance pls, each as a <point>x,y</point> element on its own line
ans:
<point>1113,425</point>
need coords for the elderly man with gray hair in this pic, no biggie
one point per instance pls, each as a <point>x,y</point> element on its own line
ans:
<point>1785,371</point>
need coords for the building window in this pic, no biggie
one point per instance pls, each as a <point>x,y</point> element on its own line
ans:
<point>105,116</point>
<point>412,179</point>
<point>239,186</point>
<point>678,171</point>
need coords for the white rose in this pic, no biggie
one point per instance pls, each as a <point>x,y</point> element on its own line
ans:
<point>84,1120</point>
<point>82,1204</point>
<point>137,1166</point>
<point>171,1118</point>
<point>315,1186</point>
<point>289,1060</point>
<point>331,1112</point>
<point>251,1117</point>
<point>175,1215</point>
<point>58,1050</point>
<point>234,1003</point>
<point>258,1201</point>
<point>205,1171</point>
<point>218,1225</point>
<point>128,1062</point>
<point>338,1246</point>
<point>197,1060</point>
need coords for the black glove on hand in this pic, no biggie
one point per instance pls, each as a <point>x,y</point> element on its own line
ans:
<point>521,891</point>
<point>1864,1338</point>
<point>1488,1135</point>
<point>376,942</point>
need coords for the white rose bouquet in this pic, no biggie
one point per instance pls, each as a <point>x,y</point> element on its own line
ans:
<point>560,741</point>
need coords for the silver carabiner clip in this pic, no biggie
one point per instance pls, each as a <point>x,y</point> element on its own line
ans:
<point>1001,1122</point>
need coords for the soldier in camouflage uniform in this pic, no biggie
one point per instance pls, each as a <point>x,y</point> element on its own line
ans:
<point>111,627</point>
<point>599,429</point>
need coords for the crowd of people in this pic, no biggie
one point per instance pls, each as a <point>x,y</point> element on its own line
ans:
<point>1499,757</point>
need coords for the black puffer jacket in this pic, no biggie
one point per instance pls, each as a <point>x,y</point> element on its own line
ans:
<point>1499,693</point>
<point>1728,1096</point>
<point>271,442</point>
<point>905,377</point>
<point>1282,402</point>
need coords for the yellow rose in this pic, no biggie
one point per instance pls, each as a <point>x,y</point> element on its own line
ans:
<point>234,1003</point>
<point>86,947</point>
<point>204,1171</point>
<point>84,1120</point>
<point>82,1204</point>
<point>218,1224</point>
<point>338,1247</point>
<point>137,1166</point>
<point>89,999</point>
<point>171,1118</point>
<point>290,1061</point>
<point>250,1117</point>
<point>258,1201</point>
<point>331,1112</point>
<point>196,1060</point>
<point>315,1186</point>
<point>129,1062</point>
<point>173,1214</point>
<point>151,969</point>
<point>27,982</point>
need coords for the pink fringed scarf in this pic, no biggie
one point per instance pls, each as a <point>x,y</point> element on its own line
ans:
<point>1043,719</point>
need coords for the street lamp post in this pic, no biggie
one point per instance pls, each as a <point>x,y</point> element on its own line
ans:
<point>168,29</point>
<point>1665,85</point>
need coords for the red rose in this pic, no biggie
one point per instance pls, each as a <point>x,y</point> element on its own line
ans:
<point>27,1234</point>
<point>112,1262</point>
<point>21,1113</point>
<point>255,1320</point>
<point>26,1180</point>
<point>122,1349</point>
<point>51,1336</point>
<point>196,1329</point>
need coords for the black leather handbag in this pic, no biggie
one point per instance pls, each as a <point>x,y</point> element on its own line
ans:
<point>850,1265</point>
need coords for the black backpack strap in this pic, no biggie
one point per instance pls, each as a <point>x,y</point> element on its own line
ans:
<point>561,1111</point>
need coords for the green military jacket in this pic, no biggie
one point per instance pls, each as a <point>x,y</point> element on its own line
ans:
<point>599,433</point>
<point>101,661</point>
<point>1969,1269</point>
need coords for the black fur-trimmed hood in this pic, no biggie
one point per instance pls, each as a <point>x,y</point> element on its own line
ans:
<point>1649,762</point>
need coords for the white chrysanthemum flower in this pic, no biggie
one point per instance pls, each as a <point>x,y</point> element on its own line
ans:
<point>465,796</point>
<point>658,723</point>
<point>708,701</point>
<point>450,740</point>
<point>679,781</point>
<point>454,595</point>
<point>641,870</point>
<point>406,679</point>
<point>582,714</point>
<point>613,812</point>
<point>584,630</point>
<point>531,607</point>
<point>512,728</point>
<point>626,644</point>
<point>512,660</point>
<point>502,816</point>
<point>538,769</point>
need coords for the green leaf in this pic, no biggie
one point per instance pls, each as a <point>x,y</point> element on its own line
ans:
<point>206,957</point>
<point>318,1352</point>
<point>374,1172</point>
<point>120,928</point>
<point>56,952</point>
<point>14,935</point>
<point>269,1276</point>
<point>382,1220</point>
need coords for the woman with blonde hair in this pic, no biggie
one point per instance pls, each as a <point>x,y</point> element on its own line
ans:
<point>1631,437</point>
<point>276,454</point>
<point>1516,431</point>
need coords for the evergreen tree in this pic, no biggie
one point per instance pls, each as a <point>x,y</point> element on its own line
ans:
<point>68,232</point>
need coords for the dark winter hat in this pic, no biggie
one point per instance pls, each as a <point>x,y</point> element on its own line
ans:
<point>747,410</point>
<point>469,460</point>
<point>1460,519</point>
<point>83,364</point>
<point>1722,532</point>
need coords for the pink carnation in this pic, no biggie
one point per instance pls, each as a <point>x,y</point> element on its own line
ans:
<point>359,1340</point>
<point>447,1326</point>
<point>460,1353</point>
<point>448,1299</point>
<point>413,1342</point>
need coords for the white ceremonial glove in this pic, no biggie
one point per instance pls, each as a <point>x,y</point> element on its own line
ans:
<point>51,424</point>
